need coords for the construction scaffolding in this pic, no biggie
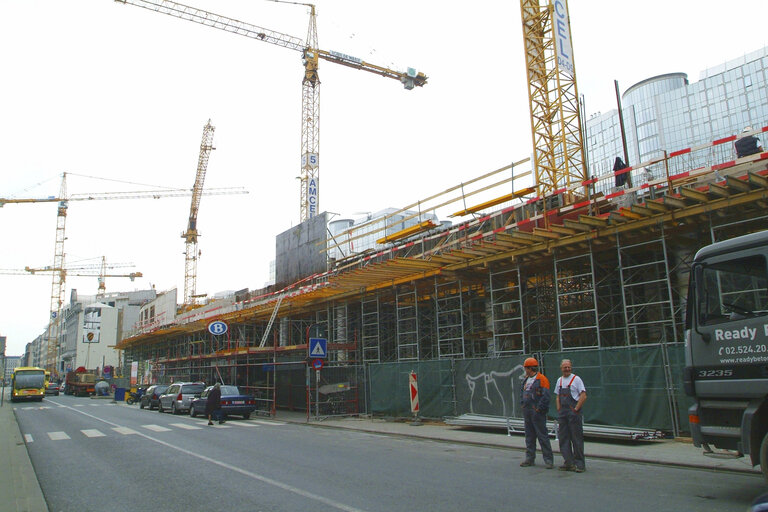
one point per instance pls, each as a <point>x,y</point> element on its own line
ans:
<point>537,276</point>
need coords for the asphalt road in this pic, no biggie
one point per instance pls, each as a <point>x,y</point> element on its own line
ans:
<point>94,455</point>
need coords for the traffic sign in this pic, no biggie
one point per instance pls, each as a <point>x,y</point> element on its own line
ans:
<point>317,364</point>
<point>414,392</point>
<point>218,327</point>
<point>318,347</point>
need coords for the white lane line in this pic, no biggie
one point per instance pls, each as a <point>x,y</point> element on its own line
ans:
<point>28,438</point>
<point>92,432</point>
<point>156,428</point>
<point>269,422</point>
<point>125,430</point>
<point>185,426</point>
<point>79,405</point>
<point>58,436</point>
<point>310,495</point>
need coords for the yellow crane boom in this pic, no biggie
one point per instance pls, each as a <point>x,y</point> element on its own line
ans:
<point>310,108</point>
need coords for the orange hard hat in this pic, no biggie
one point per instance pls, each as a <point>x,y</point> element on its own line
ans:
<point>531,361</point>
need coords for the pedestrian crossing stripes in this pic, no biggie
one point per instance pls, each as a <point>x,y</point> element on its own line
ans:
<point>185,426</point>
<point>156,428</point>
<point>198,425</point>
<point>241,424</point>
<point>125,430</point>
<point>93,433</point>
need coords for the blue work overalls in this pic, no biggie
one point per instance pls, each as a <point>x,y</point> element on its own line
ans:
<point>535,404</point>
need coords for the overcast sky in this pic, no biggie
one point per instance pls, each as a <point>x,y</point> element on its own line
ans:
<point>97,88</point>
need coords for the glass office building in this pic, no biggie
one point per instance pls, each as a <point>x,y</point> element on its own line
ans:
<point>666,113</point>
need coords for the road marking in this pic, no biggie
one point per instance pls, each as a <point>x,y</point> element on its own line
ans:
<point>92,432</point>
<point>156,428</point>
<point>58,436</point>
<point>79,405</point>
<point>125,430</point>
<point>242,424</point>
<point>28,438</point>
<point>261,422</point>
<point>185,426</point>
<point>310,495</point>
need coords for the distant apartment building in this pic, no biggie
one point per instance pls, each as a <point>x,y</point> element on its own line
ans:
<point>667,113</point>
<point>11,362</point>
<point>91,326</point>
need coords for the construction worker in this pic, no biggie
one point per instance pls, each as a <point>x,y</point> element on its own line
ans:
<point>570,395</point>
<point>535,402</point>
<point>748,145</point>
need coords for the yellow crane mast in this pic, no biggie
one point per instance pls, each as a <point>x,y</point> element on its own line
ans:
<point>191,234</point>
<point>310,106</point>
<point>553,95</point>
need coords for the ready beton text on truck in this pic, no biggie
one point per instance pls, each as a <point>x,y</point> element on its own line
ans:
<point>726,348</point>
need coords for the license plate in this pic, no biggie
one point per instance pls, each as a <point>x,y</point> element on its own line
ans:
<point>238,402</point>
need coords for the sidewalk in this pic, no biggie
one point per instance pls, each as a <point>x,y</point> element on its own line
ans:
<point>669,452</point>
<point>19,488</point>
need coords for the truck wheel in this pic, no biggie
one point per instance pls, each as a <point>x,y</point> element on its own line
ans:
<point>764,456</point>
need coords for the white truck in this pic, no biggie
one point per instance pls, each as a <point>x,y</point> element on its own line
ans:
<point>726,348</point>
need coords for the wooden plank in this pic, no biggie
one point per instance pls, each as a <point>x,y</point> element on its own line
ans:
<point>576,225</point>
<point>692,193</point>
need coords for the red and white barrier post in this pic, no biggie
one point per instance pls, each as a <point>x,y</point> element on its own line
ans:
<point>413,386</point>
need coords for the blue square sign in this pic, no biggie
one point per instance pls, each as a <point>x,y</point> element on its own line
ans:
<point>318,347</point>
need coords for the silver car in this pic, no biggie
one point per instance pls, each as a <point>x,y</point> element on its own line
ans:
<point>178,396</point>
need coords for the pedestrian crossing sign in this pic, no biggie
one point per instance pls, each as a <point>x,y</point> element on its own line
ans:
<point>318,347</point>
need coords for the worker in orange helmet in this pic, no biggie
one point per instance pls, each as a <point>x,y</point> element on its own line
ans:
<point>535,402</point>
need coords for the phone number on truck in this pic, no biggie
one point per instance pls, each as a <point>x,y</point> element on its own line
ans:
<point>743,349</point>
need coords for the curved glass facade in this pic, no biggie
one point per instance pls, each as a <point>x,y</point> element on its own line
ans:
<point>666,113</point>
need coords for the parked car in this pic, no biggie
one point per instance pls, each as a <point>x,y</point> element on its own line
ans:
<point>178,396</point>
<point>151,397</point>
<point>233,403</point>
<point>52,388</point>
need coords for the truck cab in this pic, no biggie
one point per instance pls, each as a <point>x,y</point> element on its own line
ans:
<point>726,347</point>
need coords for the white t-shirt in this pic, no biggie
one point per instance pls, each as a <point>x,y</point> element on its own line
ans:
<point>577,386</point>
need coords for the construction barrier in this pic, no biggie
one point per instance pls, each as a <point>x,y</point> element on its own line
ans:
<point>635,387</point>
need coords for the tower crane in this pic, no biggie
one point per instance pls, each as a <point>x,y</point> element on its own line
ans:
<point>310,104</point>
<point>191,234</point>
<point>98,271</point>
<point>59,278</point>
<point>553,95</point>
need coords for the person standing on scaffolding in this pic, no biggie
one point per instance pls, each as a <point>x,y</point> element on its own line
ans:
<point>535,403</point>
<point>748,145</point>
<point>570,396</point>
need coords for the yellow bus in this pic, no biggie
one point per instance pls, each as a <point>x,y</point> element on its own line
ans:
<point>27,383</point>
